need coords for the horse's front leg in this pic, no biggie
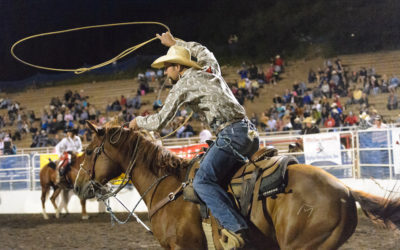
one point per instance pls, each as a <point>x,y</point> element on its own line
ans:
<point>85,216</point>
<point>53,197</point>
<point>45,190</point>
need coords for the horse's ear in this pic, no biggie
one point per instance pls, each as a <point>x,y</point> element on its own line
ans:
<point>98,130</point>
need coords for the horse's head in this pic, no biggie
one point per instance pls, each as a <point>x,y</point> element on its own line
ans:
<point>101,161</point>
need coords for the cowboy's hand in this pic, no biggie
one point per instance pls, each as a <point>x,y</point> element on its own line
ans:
<point>167,39</point>
<point>133,124</point>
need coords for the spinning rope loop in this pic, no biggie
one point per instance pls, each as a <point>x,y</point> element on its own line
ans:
<point>82,70</point>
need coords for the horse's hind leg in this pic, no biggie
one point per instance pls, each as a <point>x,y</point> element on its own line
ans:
<point>53,197</point>
<point>65,201</point>
<point>85,216</point>
<point>345,228</point>
<point>45,190</point>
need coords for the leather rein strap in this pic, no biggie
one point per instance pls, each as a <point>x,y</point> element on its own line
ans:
<point>170,197</point>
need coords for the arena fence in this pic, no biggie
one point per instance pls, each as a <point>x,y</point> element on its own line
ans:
<point>345,154</point>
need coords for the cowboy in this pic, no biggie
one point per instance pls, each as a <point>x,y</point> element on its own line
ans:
<point>66,150</point>
<point>310,127</point>
<point>200,86</point>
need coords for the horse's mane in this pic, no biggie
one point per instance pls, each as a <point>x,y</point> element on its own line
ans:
<point>158,159</point>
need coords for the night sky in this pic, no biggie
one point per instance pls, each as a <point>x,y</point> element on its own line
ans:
<point>19,19</point>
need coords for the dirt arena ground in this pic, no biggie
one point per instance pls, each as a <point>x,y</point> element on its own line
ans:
<point>69,232</point>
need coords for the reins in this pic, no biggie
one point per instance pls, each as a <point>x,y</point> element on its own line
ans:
<point>82,70</point>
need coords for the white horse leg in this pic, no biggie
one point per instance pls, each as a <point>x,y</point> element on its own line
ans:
<point>85,216</point>
<point>65,200</point>
<point>53,201</point>
<point>45,190</point>
<point>45,216</point>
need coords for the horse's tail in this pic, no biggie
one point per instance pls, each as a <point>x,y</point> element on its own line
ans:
<point>380,209</point>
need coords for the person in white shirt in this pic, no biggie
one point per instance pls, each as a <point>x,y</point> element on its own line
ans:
<point>205,134</point>
<point>66,149</point>
<point>378,123</point>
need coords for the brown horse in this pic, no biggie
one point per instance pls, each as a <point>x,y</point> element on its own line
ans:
<point>316,212</point>
<point>48,178</point>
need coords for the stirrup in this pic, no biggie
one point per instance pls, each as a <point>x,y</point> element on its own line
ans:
<point>230,240</point>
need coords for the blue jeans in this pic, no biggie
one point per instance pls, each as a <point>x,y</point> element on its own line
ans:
<point>217,169</point>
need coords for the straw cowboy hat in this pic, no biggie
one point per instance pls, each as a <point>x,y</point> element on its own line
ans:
<point>308,120</point>
<point>175,54</point>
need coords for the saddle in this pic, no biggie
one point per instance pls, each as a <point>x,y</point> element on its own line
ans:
<point>63,166</point>
<point>264,176</point>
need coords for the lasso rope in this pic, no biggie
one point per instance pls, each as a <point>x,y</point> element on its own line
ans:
<point>82,70</point>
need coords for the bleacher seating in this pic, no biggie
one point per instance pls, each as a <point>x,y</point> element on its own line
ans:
<point>100,93</point>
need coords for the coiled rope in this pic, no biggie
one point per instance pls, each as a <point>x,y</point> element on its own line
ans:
<point>82,70</point>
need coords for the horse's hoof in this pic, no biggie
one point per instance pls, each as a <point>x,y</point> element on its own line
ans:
<point>46,217</point>
<point>58,214</point>
<point>85,217</point>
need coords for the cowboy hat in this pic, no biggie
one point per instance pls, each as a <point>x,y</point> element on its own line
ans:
<point>176,54</point>
<point>308,120</point>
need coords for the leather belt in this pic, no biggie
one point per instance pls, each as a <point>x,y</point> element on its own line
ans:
<point>227,124</point>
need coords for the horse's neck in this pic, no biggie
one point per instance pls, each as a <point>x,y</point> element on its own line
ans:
<point>146,183</point>
<point>143,177</point>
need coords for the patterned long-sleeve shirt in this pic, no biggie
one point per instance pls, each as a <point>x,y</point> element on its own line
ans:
<point>205,93</point>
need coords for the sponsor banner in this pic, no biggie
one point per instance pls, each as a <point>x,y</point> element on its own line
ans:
<point>44,159</point>
<point>188,151</point>
<point>396,149</point>
<point>323,149</point>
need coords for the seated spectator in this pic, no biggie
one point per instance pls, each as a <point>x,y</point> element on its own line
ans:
<point>307,98</point>
<point>330,122</point>
<point>271,125</point>
<point>393,84</point>
<point>297,124</point>
<point>392,101</point>
<point>123,101</point>
<point>116,106</point>
<point>43,139</point>
<point>287,96</point>
<point>157,104</point>
<point>243,72</point>
<point>277,99</point>
<point>312,77</point>
<point>253,72</point>
<point>254,119</point>
<point>269,74</point>
<point>9,148</point>
<point>351,119</point>
<point>316,116</point>
<point>286,123</point>
<point>325,88</point>
<point>364,100</point>
<point>263,121</point>
<point>362,75</point>
<point>188,131</point>
<point>356,98</point>
<point>278,63</point>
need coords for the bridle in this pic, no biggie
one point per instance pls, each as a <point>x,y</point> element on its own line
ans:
<point>91,173</point>
<point>107,194</point>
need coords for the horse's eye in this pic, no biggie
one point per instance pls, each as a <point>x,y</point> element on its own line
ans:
<point>89,151</point>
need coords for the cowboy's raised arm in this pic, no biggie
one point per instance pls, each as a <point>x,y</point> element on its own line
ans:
<point>205,58</point>
<point>180,94</point>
